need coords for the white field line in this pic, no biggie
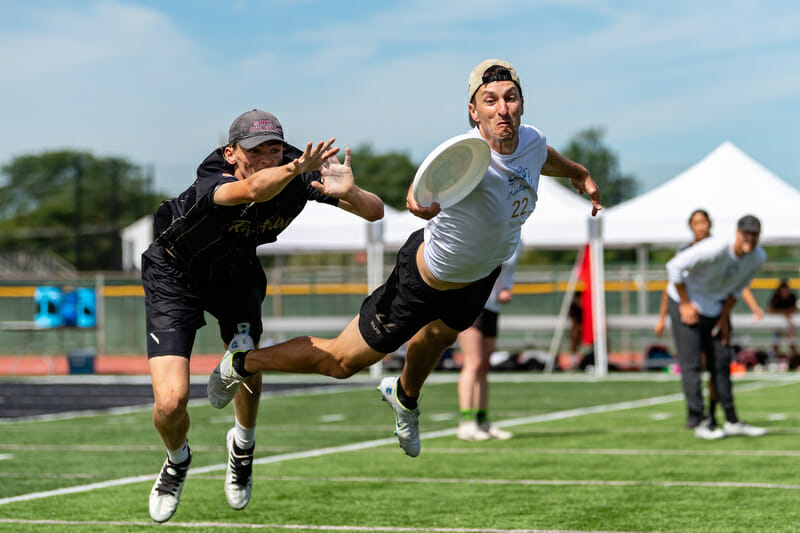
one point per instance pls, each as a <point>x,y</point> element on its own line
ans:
<point>226,525</point>
<point>559,415</point>
<point>502,377</point>
<point>544,482</point>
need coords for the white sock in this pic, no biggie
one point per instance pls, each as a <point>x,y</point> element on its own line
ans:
<point>244,437</point>
<point>180,455</point>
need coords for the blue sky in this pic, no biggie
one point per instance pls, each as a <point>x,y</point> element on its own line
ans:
<point>159,81</point>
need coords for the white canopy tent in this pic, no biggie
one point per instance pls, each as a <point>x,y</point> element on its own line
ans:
<point>135,240</point>
<point>727,183</point>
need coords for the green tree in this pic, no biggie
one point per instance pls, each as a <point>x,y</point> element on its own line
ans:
<point>72,204</point>
<point>387,175</point>
<point>587,148</point>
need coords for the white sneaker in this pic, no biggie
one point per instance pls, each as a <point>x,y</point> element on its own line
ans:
<point>239,474</point>
<point>496,433</point>
<point>704,431</point>
<point>741,428</point>
<point>166,491</point>
<point>406,425</point>
<point>471,431</point>
<point>224,380</point>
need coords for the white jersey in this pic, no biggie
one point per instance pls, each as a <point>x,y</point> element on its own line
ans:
<point>467,241</point>
<point>711,271</point>
<point>505,281</point>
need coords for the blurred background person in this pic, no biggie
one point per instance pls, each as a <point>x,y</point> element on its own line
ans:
<point>477,345</point>
<point>784,302</point>
<point>700,225</point>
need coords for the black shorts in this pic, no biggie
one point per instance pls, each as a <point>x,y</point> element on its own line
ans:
<point>486,323</point>
<point>175,303</point>
<point>402,306</point>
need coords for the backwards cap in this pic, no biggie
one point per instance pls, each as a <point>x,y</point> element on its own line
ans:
<point>477,77</point>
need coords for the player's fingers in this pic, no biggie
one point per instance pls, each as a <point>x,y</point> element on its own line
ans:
<point>329,157</point>
<point>347,157</point>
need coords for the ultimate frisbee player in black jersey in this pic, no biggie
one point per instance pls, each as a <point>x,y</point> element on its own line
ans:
<point>204,259</point>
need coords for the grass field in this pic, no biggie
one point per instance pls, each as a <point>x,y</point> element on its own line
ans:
<point>588,455</point>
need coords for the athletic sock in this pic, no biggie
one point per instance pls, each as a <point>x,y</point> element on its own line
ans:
<point>244,438</point>
<point>238,364</point>
<point>179,455</point>
<point>405,400</point>
<point>481,416</point>
<point>467,415</point>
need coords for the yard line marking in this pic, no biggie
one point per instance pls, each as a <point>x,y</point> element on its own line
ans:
<point>558,415</point>
<point>632,452</point>
<point>228,525</point>
<point>545,482</point>
<point>6,456</point>
<point>326,419</point>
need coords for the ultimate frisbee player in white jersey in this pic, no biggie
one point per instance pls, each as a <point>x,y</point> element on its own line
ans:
<point>443,274</point>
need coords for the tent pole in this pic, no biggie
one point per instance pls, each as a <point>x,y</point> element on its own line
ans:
<point>375,272</point>
<point>642,264</point>
<point>552,354</point>
<point>598,296</point>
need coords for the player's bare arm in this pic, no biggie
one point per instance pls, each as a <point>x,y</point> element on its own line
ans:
<point>338,181</point>
<point>261,177</point>
<point>558,166</point>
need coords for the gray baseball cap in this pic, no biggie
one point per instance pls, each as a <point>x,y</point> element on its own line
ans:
<point>255,127</point>
<point>749,223</point>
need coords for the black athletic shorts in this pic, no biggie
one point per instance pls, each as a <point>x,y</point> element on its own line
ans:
<point>402,306</point>
<point>486,323</point>
<point>175,303</point>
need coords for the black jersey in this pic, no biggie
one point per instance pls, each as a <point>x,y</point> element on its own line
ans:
<point>211,241</point>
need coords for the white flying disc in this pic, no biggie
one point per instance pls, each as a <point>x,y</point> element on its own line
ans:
<point>451,171</point>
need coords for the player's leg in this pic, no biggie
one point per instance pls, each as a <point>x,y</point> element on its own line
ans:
<point>170,376</point>
<point>489,342</point>
<point>471,342</point>
<point>237,306</point>
<point>688,352</point>
<point>423,353</point>
<point>340,357</point>
<point>173,314</point>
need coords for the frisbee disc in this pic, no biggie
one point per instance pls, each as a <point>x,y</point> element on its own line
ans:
<point>451,171</point>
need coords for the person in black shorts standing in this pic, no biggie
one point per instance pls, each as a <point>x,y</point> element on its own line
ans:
<point>204,259</point>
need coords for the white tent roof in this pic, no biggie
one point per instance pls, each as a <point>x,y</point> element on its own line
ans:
<point>560,219</point>
<point>728,184</point>
<point>320,228</point>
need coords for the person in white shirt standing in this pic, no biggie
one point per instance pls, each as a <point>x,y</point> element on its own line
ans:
<point>444,273</point>
<point>705,281</point>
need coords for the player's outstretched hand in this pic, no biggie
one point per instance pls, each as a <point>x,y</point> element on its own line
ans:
<point>588,186</point>
<point>337,177</point>
<point>313,156</point>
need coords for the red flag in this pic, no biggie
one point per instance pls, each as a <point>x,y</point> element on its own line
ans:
<point>585,275</point>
